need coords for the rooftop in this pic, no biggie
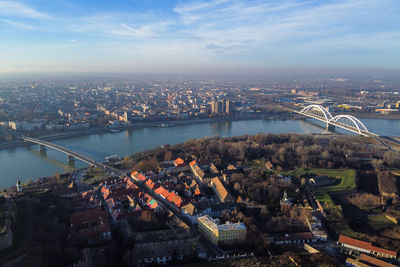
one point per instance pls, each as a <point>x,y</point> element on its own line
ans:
<point>364,245</point>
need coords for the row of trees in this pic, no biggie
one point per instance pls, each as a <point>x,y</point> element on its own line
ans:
<point>387,183</point>
<point>288,151</point>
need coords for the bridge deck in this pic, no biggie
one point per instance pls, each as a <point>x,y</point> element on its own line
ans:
<point>338,124</point>
<point>64,150</point>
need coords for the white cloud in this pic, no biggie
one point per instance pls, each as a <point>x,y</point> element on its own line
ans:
<point>18,24</point>
<point>13,8</point>
<point>252,32</point>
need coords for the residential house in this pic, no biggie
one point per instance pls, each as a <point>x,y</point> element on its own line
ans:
<point>220,190</point>
<point>90,225</point>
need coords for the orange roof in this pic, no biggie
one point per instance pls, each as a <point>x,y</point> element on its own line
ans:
<point>177,200</point>
<point>174,198</point>
<point>374,261</point>
<point>134,173</point>
<point>197,191</point>
<point>364,245</point>
<point>179,161</point>
<point>162,191</point>
<point>141,177</point>
<point>130,184</point>
<point>171,196</point>
<point>84,194</point>
<point>150,183</point>
<point>192,163</point>
<point>159,190</point>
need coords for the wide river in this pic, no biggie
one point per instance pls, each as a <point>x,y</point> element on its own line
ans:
<point>29,162</point>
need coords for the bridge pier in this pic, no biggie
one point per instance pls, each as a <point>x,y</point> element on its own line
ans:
<point>330,127</point>
<point>43,150</point>
<point>71,161</point>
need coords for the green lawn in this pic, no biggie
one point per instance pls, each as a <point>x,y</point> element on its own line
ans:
<point>344,229</point>
<point>379,221</point>
<point>347,181</point>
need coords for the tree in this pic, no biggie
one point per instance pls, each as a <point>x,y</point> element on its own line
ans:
<point>365,201</point>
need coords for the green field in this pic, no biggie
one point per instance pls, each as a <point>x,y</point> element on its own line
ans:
<point>379,221</point>
<point>346,181</point>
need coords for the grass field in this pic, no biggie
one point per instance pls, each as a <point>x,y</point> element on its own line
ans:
<point>378,221</point>
<point>347,181</point>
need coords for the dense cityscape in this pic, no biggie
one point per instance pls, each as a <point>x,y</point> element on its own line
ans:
<point>253,200</point>
<point>240,133</point>
<point>43,108</point>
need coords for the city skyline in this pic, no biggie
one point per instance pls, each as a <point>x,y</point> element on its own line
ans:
<point>198,36</point>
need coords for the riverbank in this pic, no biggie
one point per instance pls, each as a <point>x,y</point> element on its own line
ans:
<point>361,115</point>
<point>140,125</point>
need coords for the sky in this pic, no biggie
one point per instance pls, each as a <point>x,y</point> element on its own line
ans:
<point>198,36</point>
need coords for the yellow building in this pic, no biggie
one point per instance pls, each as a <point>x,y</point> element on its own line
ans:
<point>225,234</point>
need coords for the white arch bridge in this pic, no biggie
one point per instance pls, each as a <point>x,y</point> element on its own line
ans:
<point>347,122</point>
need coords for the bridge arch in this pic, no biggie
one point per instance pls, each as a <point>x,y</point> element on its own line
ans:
<point>355,123</point>
<point>324,111</point>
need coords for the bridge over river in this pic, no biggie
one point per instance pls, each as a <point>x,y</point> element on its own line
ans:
<point>347,122</point>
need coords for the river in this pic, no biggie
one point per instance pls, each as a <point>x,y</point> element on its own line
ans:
<point>29,162</point>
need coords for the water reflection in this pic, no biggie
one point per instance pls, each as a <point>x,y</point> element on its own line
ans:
<point>71,163</point>
<point>222,128</point>
<point>27,162</point>
<point>42,154</point>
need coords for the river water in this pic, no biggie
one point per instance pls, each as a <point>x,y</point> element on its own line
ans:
<point>30,162</point>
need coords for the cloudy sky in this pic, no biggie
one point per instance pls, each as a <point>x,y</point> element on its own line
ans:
<point>198,36</point>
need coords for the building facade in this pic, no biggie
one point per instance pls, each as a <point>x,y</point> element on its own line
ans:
<point>224,234</point>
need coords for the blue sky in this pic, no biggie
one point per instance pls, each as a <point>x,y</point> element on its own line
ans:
<point>198,36</point>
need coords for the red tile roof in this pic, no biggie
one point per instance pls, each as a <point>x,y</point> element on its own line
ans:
<point>162,191</point>
<point>178,162</point>
<point>138,175</point>
<point>374,261</point>
<point>197,191</point>
<point>150,183</point>
<point>130,184</point>
<point>87,216</point>
<point>171,196</point>
<point>364,245</point>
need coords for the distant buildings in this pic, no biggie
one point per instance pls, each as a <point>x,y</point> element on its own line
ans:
<point>221,107</point>
<point>224,234</point>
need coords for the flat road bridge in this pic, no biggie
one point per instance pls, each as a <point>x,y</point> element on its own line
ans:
<point>67,151</point>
